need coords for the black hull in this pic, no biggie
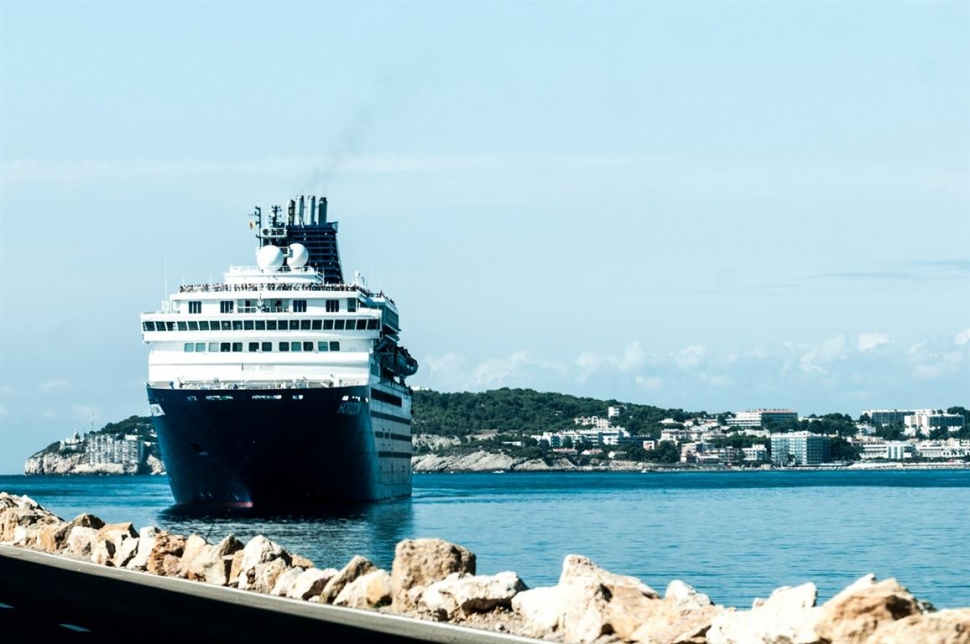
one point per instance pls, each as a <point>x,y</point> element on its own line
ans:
<point>273,449</point>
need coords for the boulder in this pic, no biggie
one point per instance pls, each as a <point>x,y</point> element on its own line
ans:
<point>421,562</point>
<point>371,590</point>
<point>259,550</point>
<point>195,545</point>
<point>355,568</point>
<point>285,581</point>
<point>579,568</point>
<point>788,616</point>
<point>165,558</point>
<point>81,540</point>
<point>311,583</point>
<point>459,594</point>
<point>857,612</point>
<point>146,542</point>
<point>109,541</point>
<point>212,563</point>
<point>266,575</point>
<point>945,627</point>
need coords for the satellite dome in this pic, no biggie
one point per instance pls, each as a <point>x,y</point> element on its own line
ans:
<point>269,258</point>
<point>299,256</point>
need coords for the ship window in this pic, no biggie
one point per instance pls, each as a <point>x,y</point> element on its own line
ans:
<point>316,324</point>
<point>237,325</point>
<point>308,346</point>
<point>372,324</point>
<point>237,347</point>
<point>214,325</point>
<point>248,325</point>
<point>361,325</point>
<point>284,346</point>
<point>183,326</point>
<point>296,346</point>
<point>193,326</point>
<point>226,325</point>
<point>253,347</point>
<point>299,306</point>
<point>304,325</point>
<point>333,306</point>
<point>199,347</point>
<point>213,346</point>
<point>225,306</point>
<point>148,326</point>
<point>267,346</point>
<point>352,304</point>
<point>323,346</point>
<point>338,325</point>
<point>270,325</point>
<point>189,347</point>
<point>327,325</point>
<point>203,325</point>
<point>335,346</point>
<point>260,325</point>
<point>224,347</point>
<point>195,307</point>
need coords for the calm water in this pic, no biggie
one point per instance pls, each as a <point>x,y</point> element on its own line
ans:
<point>734,536</point>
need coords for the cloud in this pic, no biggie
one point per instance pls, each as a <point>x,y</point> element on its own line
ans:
<point>691,357</point>
<point>962,338</point>
<point>649,382</point>
<point>51,385</point>
<point>630,359</point>
<point>817,359</point>
<point>869,341</point>
<point>500,372</point>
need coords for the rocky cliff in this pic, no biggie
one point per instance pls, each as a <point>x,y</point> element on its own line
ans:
<point>56,459</point>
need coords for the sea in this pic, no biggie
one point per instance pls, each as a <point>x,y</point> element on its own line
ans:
<point>735,536</point>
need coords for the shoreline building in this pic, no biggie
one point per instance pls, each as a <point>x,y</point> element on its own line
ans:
<point>887,417</point>
<point>758,418</point>
<point>923,421</point>
<point>800,448</point>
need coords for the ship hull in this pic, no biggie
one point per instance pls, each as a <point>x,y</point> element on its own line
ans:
<point>271,449</point>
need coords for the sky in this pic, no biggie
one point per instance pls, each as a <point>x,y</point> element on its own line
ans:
<point>711,206</point>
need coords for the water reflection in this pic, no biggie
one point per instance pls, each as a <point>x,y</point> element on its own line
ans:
<point>329,536</point>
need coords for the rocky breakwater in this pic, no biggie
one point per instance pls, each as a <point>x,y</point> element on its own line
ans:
<point>436,580</point>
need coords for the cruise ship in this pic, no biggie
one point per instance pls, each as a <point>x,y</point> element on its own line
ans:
<point>284,385</point>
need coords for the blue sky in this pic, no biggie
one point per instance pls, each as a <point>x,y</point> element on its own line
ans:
<point>710,206</point>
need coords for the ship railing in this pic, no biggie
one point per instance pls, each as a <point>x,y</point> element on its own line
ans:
<point>251,287</point>
<point>300,383</point>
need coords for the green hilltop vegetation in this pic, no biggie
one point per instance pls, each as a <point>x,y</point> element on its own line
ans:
<point>525,411</point>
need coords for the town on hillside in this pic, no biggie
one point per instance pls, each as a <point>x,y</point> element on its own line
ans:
<point>550,427</point>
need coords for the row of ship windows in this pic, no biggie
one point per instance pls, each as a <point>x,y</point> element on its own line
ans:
<point>254,347</point>
<point>371,324</point>
<point>254,306</point>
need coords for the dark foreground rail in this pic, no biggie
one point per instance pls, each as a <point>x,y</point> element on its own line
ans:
<point>58,599</point>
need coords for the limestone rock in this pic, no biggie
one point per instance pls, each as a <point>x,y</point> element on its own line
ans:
<point>81,540</point>
<point>311,583</point>
<point>459,594</point>
<point>109,540</point>
<point>541,609</point>
<point>285,581</point>
<point>787,617</point>
<point>355,568</point>
<point>266,575</point>
<point>579,568</point>
<point>146,542</point>
<point>165,558</point>
<point>195,545</point>
<point>945,627</point>
<point>371,590</point>
<point>259,550</point>
<point>212,563</point>
<point>855,613</point>
<point>684,597</point>
<point>421,562</point>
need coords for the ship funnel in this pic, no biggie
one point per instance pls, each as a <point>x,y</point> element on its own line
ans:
<point>291,211</point>
<point>322,211</point>
<point>302,204</point>
<point>313,211</point>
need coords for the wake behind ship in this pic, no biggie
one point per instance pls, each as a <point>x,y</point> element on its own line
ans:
<point>284,385</point>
